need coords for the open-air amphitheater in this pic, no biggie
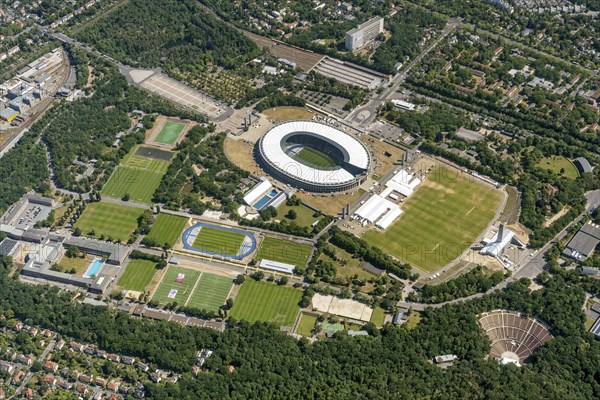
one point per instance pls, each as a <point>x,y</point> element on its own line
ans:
<point>514,337</point>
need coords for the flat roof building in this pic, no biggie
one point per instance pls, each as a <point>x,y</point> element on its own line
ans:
<point>363,33</point>
<point>277,266</point>
<point>584,242</point>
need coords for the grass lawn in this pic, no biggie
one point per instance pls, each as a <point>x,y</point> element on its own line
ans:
<point>304,215</point>
<point>287,113</point>
<point>137,176</point>
<point>137,275</point>
<point>80,264</point>
<point>413,319</point>
<point>170,132</point>
<point>184,289</point>
<point>264,301</point>
<point>352,267</point>
<point>440,220</point>
<point>314,157</point>
<point>306,324</point>
<point>211,292</point>
<point>378,316</point>
<point>284,251</point>
<point>218,240</point>
<point>556,163</point>
<point>167,228</point>
<point>111,220</point>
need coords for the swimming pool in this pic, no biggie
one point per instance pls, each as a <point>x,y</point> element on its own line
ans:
<point>94,268</point>
<point>260,204</point>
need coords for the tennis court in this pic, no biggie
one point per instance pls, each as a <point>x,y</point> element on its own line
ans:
<point>176,285</point>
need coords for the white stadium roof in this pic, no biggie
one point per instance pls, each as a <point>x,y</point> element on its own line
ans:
<point>272,151</point>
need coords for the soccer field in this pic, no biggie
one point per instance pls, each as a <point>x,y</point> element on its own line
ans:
<point>440,220</point>
<point>219,241</point>
<point>166,229</point>
<point>137,275</point>
<point>114,221</point>
<point>264,301</point>
<point>315,157</point>
<point>170,132</point>
<point>283,251</point>
<point>168,282</point>
<point>137,176</point>
<point>211,292</point>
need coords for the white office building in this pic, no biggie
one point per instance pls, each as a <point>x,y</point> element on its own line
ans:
<point>364,33</point>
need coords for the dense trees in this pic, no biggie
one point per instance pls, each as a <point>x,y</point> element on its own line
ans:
<point>169,33</point>
<point>393,363</point>
<point>475,281</point>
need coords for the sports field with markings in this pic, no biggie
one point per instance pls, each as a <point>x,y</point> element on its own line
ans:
<point>440,220</point>
<point>219,241</point>
<point>180,291</point>
<point>264,301</point>
<point>137,176</point>
<point>283,251</point>
<point>137,275</point>
<point>211,292</point>
<point>113,221</point>
<point>166,229</point>
<point>170,132</point>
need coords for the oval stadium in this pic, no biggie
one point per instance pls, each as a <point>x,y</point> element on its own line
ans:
<point>313,157</point>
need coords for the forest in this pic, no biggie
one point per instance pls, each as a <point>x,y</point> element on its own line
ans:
<point>393,362</point>
<point>169,34</point>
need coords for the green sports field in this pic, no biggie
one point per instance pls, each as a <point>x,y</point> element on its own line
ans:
<point>211,292</point>
<point>220,241</point>
<point>137,275</point>
<point>283,251</point>
<point>137,176</point>
<point>264,301</point>
<point>170,132</point>
<point>184,289</point>
<point>167,228</point>
<point>314,157</point>
<point>439,221</point>
<point>114,221</point>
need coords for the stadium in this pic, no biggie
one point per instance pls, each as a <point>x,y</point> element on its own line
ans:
<point>313,157</point>
<point>514,337</point>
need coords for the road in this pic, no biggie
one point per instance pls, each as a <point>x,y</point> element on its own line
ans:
<point>364,116</point>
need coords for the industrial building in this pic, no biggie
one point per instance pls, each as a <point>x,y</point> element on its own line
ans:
<point>584,242</point>
<point>8,114</point>
<point>364,33</point>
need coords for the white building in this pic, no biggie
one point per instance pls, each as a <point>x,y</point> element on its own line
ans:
<point>257,191</point>
<point>364,33</point>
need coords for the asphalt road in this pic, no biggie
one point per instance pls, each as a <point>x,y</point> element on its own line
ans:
<point>364,116</point>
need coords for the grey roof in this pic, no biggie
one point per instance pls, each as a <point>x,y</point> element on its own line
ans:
<point>7,246</point>
<point>584,242</point>
<point>114,252</point>
<point>34,235</point>
<point>582,164</point>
